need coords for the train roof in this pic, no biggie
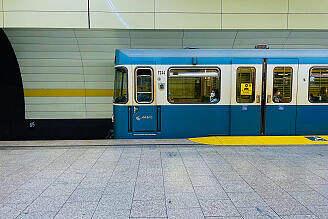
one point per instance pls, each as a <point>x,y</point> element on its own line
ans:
<point>219,56</point>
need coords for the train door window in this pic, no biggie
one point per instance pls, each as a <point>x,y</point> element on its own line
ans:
<point>245,86</point>
<point>282,84</point>
<point>121,85</point>
<point>194,85</point>
<point>318,86</point>
<point>144,85</point>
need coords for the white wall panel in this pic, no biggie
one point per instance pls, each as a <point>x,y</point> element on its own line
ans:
<point>122,5</point>
<point>205,6</point>
<point>52,77</point>
<point>56,115</point>
<point>40,19</point>
<point>53,85</point>
<point>54,100</point>
<point>45,5</point>
<point>1,14</point>
<point>122,20</point>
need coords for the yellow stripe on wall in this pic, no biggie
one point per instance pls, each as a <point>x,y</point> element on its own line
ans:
<point>68,92</point>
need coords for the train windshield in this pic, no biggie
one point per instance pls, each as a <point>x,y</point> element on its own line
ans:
<point>121,85</point>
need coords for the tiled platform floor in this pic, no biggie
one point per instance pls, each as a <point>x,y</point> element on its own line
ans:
<point>164,182</point>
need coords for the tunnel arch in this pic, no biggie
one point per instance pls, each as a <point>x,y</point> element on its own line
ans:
<point>12,107</point>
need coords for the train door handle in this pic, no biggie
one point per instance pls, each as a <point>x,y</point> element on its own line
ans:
<point>135,109</point>
<point>269,99</point>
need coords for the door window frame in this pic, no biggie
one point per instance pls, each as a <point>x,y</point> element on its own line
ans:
<point>136,84</point>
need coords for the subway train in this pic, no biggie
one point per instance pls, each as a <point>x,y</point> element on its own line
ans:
<point>164,93</point>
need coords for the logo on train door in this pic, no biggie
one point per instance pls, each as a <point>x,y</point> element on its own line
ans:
<point>246,89</point>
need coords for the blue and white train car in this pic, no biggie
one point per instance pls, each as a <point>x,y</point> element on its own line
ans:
<point>195,92</point>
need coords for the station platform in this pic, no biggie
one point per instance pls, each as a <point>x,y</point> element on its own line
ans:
<point>213,140</point>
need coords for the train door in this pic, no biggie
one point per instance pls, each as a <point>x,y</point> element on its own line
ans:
<point>143,111</point>
<point>281,91</point>
<point>246,89</point>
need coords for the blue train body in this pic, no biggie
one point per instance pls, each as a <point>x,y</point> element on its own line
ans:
<point>302,109</point>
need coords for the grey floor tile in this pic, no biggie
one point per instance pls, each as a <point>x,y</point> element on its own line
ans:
<point>227,176</point>
<point>60,190</point>
<point>77,210</point>
<point>11,210</point>
<point>71,177</point>
<point>294,186</point>
<point>287,207</point>
<point>192,213</point>
<point>236,186</point>
<point>37,215</point>
<point>178,186</point>
<point>116,201</point>
<point>86,195</point>
<point>93,182</point>
<point>126,178</point>
<point>182,200</point>
<point>45,204</point>
<point>299,217</point>
<point>101,213</point>
<point>257,212</point>
<point>246,199</point>
<point>320,211</point>
<point>116,188</point>
<point>148,192</point>
<point>218,208</point>
<point>149,208</point>
<point>214,192</point>
<point>204,180</point>
<point>322,189</point>
<point>156,180</point>
<point>223,217</point>
<point>22,196</point>
<point>150,172</point>
<point>310,198</point>
<point>199,171</point>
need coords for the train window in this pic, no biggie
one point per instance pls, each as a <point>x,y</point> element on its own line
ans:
<point>282,84</point>
<point>318,86</point>
<point>194,85</point>
<point>245,86</point>
<point>144,88</point>
<point>121,85</point>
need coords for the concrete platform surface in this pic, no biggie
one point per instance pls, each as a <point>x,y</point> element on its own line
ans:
<point>152,181</point>
<point>100,142</point>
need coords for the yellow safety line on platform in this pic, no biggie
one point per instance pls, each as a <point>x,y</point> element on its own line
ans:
<point>68,92</point>
<point>259,140</point>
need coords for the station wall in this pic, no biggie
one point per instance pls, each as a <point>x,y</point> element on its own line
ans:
<point>165,14</point>
<point>69,73</point>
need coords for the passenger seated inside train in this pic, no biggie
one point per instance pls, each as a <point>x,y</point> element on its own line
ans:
<point>213,98</point>
<point>323,94</point>
<point>276,95</point>
<point>319,97</point>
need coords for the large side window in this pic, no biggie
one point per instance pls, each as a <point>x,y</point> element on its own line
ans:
<point>194,85</point>
<point>144,85</point>
<point>121,85</point>
<point>282,84</point>
<point>245,85</point>
<point>318,87</point>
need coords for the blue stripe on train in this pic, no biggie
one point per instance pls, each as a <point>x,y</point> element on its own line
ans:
<point>312,120</point>
<point>182,121</point>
